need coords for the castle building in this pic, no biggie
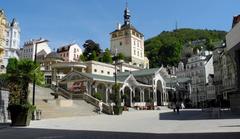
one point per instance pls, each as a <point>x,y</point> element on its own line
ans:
<point>12,41</point>
<point>126,39</point>
<point>3,29</point>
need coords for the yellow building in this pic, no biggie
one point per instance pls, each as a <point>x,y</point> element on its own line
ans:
<point>3,27</point>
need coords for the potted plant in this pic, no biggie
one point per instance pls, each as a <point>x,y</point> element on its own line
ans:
<point>117,109</point>
<point>18,76</point>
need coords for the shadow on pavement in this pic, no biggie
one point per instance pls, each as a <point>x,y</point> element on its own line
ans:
<point>196,115</point>
<point>4,125</point>
<point>28,133</point>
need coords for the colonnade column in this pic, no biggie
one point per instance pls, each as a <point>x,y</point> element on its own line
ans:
<point>131,96</point>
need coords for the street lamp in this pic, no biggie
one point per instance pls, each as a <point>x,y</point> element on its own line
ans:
<point>197,99</point>
<point>115,74</point>
<point>35,61</point>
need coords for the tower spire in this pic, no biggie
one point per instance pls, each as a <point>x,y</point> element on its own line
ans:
<point>126,15</point>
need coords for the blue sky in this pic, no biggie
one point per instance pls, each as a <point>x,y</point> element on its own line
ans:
<point>66,21</point>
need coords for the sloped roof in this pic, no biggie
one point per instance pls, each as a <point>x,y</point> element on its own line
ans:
<point>64,48</point>
<point>144,72</point>
<point>54,56</point>
<point>127,26</point>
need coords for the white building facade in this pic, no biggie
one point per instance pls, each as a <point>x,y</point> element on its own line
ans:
<point>197,69</point>
<point>126,39</point>
<point>12,41</point>
<point>29,48</point>
<point>70,53</point>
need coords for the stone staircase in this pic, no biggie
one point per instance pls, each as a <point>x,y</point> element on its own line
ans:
<point>51,109</point>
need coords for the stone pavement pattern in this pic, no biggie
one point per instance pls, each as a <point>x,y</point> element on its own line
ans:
<point>143,122</point>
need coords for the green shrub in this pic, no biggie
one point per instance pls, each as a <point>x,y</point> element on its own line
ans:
<point>98,96</point>
<point>117,110</point>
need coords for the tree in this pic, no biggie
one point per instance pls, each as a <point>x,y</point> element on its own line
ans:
<point>82,58</point>
<point>20,74</point>
<point>89,47</point>
<point>107,57</point>
<point>166,48</point>
<point>93,56</point>
<point>121,56</point>
<point>209,45</point>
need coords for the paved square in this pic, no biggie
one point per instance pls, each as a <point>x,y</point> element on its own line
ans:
<point>188,121</point>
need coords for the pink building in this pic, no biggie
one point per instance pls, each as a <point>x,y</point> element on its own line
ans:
<point>70,53</point>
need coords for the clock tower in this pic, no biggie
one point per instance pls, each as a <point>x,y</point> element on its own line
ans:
<point>126,39</point>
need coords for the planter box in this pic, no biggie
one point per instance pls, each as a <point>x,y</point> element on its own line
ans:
<point>21,117</point>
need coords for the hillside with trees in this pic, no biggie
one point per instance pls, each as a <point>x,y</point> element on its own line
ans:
<point>169,47</point>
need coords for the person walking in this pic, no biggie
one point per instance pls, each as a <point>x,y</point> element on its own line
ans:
<point>177,107</point>
<point>174,107</point>
<point>182,105</point>
<point>100,107</point>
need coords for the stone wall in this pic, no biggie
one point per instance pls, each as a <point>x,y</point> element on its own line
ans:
<point>4,95</point>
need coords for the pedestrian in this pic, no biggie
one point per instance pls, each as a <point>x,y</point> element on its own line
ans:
<point>182,105</point>
<point>174,107</point>
<point>100,107</point>
<point>177,107</point>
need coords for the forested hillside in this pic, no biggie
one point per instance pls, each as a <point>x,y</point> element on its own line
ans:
<point>167,48</point>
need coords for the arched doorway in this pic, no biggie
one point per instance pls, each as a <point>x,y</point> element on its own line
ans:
<point>127,92</point>
<point>159,93</point>
<point>101,88</point>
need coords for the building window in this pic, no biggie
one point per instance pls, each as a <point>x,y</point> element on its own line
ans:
<point>108,72</point>
<point>7,42</point>
<point>134,52</point>
<point>95,70</point>
<point>14,43</point>
<point>14,34</point>
<point>120,43</point>
<point>6,53</point>
<point>137,53</point>
<point>102,71</point>
<point>74,50</point>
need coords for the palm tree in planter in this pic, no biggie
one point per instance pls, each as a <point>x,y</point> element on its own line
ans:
<point>19,75</point>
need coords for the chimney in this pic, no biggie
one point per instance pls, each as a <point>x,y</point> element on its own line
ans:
<point>236,19</point>
<point>118,26</point>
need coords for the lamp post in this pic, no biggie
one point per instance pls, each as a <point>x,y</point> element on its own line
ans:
<point>197,99</point>
<point>115,74</point>
<point>35,61</point>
